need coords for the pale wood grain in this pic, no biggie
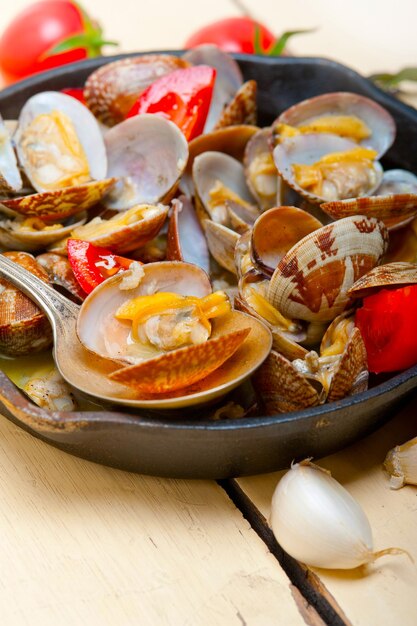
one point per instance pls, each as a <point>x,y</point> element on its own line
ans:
<point>385,594</point>
<point>85,544</point>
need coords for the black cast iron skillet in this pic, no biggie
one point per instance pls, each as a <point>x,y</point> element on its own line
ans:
<point>190,444</point>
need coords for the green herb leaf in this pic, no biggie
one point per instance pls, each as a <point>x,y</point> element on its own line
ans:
<point>389,81</point>
<point>91,43</point>
<point>278,47</point>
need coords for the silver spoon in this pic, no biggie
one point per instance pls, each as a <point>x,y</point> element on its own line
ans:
<point>86,372</point>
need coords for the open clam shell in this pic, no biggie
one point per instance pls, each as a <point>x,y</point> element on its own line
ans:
<point>102,333</point>
<point>281,388</point>
<point>24,328</point>
<point>221,242</point>
<point>396,274</point>
<point>377,119</point>
<point>230,140</point>
<point>60,204</point>
<point>308,149</point>
<point>242,109</point>
<point>111,91</point>
<point>33,235</point>
<point>85,125</point>
<point>124,232</point>
<point>211,169</point>
<point>260,170</point>
<point>312,280</point>
<point>185,239</point>
<point>276,231</point>
<point>348,373</point>
<point>10,179</point>
<point>149,154</point>
<point>395,210</point>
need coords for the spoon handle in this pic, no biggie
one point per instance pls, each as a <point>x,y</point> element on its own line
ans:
<point>56,306</point>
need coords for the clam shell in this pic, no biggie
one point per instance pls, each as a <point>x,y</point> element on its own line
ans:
<point>281,388</point>
<point>185,239</point>
<point>397,181</point>
<point>228,78</point>
<point>98,328</point>
<point>61,203</point>
<point>210,168</point>
<point>276,231</point>
<point>258,154</point>
<point>395,274</point>
<point>149,154</point>
<point>85,124</point>
<point>10,179</point>
<point>351,375</point>
<point>309,148</point>
<point>14,237</point>
<point>230,140</point>
<point>282,341</point>
<point>111,91</point>
<point>378,120</point>
<point>221,242</point>
<point>124,232</point>
<point>242,109</point>
<point>183,367</point>
<point>241,217</point>
<point>24,328</point>
<point>395,210</point>
<point>103,334</point>
<point>312,280</point>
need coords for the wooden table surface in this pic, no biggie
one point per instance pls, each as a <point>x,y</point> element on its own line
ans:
<point>85,544</point>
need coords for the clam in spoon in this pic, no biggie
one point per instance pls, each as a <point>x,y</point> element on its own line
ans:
<point>89,373</point>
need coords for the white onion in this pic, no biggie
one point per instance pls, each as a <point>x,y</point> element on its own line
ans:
<point>318,522</point>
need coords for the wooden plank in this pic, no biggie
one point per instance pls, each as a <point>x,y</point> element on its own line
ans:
<point>85,544</point>
<point>384,593</point>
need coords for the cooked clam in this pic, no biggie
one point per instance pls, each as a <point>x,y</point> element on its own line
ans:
<point>32,234</point>
<point>324,167</point>
<point>10,179</point>
<point>219,178</point>
<point>312,280</point>
<point>59,142</point>
<point>111,91</point>
<point>345,114</point>
<point>52,206</point>
<point>260,170</point>
<point>339,370</point>
<point>24,328</point>
<point>160,331</point>
<point>149,154</point>
<point>124,232</point>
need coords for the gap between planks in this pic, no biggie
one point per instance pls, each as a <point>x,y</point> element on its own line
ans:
<point>306,585</point>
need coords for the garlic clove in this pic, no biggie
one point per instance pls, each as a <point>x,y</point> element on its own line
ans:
<point>401,464</point>
<point>318,522</point>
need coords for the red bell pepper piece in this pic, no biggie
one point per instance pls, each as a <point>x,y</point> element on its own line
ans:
<point>387,321</point>
<point>75,92</point>
<point>92,265</point>
<point>183,97</point>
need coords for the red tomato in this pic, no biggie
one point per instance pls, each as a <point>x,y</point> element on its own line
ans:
<point>92,265</point>
<point>75,92</point>
<point>47,34</point>
<point>235,34</point>
<point>387,321</point>
<point>183,97</point>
